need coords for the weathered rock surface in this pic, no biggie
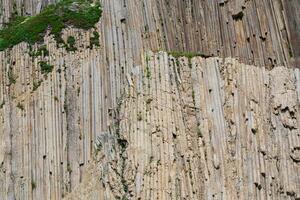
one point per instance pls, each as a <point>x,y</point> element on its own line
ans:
<point>259,32</point>
<point>120,121</point>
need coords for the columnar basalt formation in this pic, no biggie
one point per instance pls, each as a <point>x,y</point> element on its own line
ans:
<point>127,120</point>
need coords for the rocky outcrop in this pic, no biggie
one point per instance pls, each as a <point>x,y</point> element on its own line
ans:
<point>121,121</point>
<point>208,129</point>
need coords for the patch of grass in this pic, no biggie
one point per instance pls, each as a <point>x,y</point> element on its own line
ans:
<point>94,40</point>
<point>45,67</point>
<point>77,13</point>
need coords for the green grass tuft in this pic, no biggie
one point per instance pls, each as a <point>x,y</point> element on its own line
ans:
<point>77,13</point>
<point>45,67</point>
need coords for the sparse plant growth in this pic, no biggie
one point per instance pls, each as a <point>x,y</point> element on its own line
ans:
<point>70,46</point>
<point>45,67</point>
<point>189,55</point>
<point>94,40</point>
<point>98,145</point>
<point>36,85</point>
<point>66,108</point>
<point>193,96</point>
<point>41,51</point>
<point>148,101</point>
<point>33,184</point>
<point>2,104</point>
<point>291,52</point>
<point>148,72</point>
<point>147,59</point>
<point>238,16</point>
<point>82,14</point>
<point>69,169</point>
<point>12,79</point>
<point>199,133</point>
<point>56,98</point>
<point>20,106</point>
<point>139,116</point>
<point>123,143</point>
<point>78,91</point>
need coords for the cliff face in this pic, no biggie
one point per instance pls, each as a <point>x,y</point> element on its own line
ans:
<point>128,120</point>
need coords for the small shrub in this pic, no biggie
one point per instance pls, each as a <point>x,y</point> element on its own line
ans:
<point>45,67</point>
<point>70,46</point>
<point>94,40</point>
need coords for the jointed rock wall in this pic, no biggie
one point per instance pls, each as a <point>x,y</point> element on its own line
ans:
<point>143,124</point>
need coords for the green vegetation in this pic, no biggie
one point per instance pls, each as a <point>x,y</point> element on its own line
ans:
<point>189,55</point>
<point>139,116</point>
<point>56,98</point>
<point>20,106</point>
<point>199,133</point>
<point>36,85</point>
<point>94,40</point>
<point>33,184</point>
<point>2,104</point>
<point>42,50</point>
<point>12,78</point>
<point>78,13</point>
<point>69,169</point>
<point>70,44</point>
<point>45,67</point>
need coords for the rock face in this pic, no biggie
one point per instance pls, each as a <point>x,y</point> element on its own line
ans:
<point>127,120</point>
<point>204,129</point>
